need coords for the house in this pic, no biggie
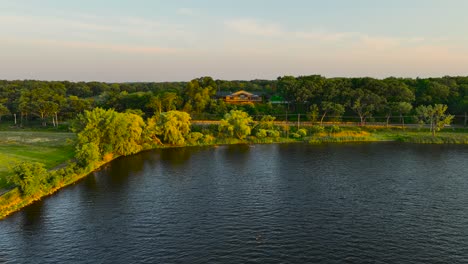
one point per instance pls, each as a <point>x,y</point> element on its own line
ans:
<point>242,97</point>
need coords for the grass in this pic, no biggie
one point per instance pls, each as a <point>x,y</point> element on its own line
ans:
<point>50,148</point>
<point>414,135</point>
<point>342,136</point>
<point>423,136</point>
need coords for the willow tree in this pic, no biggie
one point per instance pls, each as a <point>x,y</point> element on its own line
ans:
<point>171,127</point>
<point>236,123</point>
<point>107,132</point>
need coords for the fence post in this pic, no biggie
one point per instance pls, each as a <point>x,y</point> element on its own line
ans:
<point>466,118</point>
<point>298,121</point>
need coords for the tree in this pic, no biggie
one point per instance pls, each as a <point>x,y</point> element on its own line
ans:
<point>266,127</point>
<point>3,111</point>
<point>365,104</point>
<point>156,104</point>
<point>170,101</point>
<point>173,127</point>
<point>198,93</point>
<point>236,123</point>
<point>314,113</point>
<point>336,110</point>
<point>107,132</point>
<point>435,116</point>
<point>30,177</point>
<point>403,108</point>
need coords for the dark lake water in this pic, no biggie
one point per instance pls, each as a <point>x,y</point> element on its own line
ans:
<point>292,203</point>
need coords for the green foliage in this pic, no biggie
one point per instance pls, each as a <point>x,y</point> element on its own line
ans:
<point>334,109</point>
<point>208,139</point>
<point>302,132</point>
<point>335,129</point>
<point>173,127</point>
<point>87,154</point>
<point>365,103</point>
<point>295,135</point>
<point>198,94</point>
<point>106,131</point>
<point>195,138</point>
<point>273,133</point>
<point>266,128</point>
<point>317,129</point>
<point>435,116</point>
<point>261,133</point>
<point>3,111</point>
<point>313,113</point>
<point>30,177</point>
<point>236,123</point>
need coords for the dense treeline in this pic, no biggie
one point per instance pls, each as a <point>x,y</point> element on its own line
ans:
<point>320,98</point>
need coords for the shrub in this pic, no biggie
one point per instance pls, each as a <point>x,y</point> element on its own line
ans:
<point>295,135</point>
<point>302,132</point>
<point>273,133</point>
<point>194,138</point>
<point>335,129</point>
<point>30,177</point>
<point>317,129</point>
<point>262,133</point>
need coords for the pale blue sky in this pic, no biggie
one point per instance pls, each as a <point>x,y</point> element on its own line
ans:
<point>180,40</point>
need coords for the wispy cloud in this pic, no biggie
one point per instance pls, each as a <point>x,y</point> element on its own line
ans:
<point>186,11</point>
<point>254,27</point>
<point>108,47</point>
<point>117,26</point>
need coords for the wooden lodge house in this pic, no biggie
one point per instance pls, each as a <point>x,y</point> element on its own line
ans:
<point>240,97</point>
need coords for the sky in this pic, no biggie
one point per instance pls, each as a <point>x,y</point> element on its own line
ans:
<point>179,40</point>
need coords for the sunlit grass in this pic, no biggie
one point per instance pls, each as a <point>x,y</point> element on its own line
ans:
<point>49,148</point>
<point>342,136</point>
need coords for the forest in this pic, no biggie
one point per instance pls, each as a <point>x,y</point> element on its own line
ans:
<point>316,98</point>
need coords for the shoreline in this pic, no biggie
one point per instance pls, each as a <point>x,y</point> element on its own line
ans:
<point>17,202</point>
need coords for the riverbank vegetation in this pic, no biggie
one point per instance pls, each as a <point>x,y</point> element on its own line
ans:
<point>109,120</point>
<point>102,135</point>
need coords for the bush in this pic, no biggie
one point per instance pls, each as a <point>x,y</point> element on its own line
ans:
<point>317,129</point>
<point>262,133</point>
<point>194,138</point>
<point>273,133</point>
<point>208,139</point>
<point>302,132</point>
<point>335,129</point>
<point>30,177</point>
<point>295,135</point>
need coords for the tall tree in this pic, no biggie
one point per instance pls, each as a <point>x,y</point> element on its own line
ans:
<point>365,104</point>
<point>435,116</point>
<point>198,93</point>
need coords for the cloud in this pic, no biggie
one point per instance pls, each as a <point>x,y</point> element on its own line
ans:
<point>251,33</point>
<point>186,11</point>
<point>72,25</point>
<point>254,27</point>
<point>133,49</point>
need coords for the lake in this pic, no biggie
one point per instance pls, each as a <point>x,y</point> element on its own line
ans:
<point>280,203</point>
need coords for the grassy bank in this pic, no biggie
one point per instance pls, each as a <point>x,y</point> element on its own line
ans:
<point>369,134</point>
<point>49,148</point>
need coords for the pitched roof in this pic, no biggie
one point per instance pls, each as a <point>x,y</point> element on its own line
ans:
<point>243,92</point>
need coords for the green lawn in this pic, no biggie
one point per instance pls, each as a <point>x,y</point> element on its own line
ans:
<point>50,148</point>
